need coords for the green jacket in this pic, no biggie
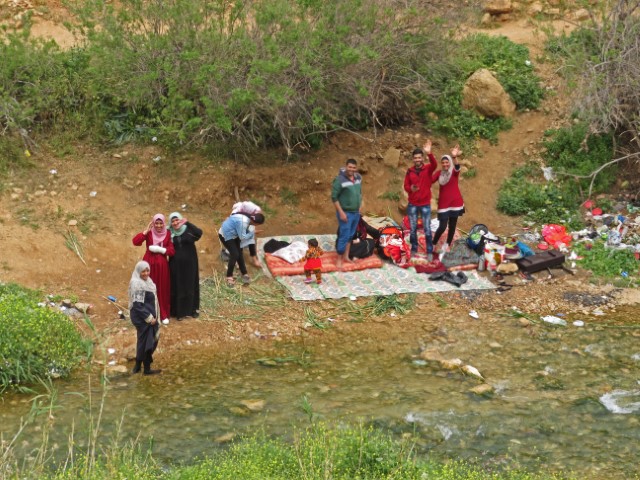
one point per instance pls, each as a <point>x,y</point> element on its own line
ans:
<point>347,192</point>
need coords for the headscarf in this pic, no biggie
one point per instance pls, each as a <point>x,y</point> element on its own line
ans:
<point>138,286</point>
<point>445,175</point>
<point>158,238</point>
<point>176,232</point>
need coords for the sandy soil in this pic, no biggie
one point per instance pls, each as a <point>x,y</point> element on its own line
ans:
<point>130,187</point>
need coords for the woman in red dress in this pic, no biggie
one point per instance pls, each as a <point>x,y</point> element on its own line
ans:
<point>159,248</point>
<point>450,203</point>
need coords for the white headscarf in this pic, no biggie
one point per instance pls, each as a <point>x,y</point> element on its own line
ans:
<point>445,175</point>
<point>138,286</point>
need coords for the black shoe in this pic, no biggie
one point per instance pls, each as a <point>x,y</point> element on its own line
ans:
<point>152,372</point>
<point>136,369</point>
<point>179,319</point>
<point>452,279</point>
<point>463,278</point>
<point>195,315</point>
<point>437,275</point>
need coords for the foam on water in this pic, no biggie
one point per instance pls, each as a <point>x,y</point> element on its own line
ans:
<point>611,401</point>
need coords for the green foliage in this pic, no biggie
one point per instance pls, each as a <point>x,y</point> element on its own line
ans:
<point>391,303</point>
<point>35,342</point>
<point>393,196</point>
<point>573,150</point>
<point>607,262</point>
<point>569,151</point>
<point>246,74</point>
<point>507,60</point>
<point>289,197</point>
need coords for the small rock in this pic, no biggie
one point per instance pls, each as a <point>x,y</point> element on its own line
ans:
<point>452,364</point>
<point>67,303</point>
<point>482,389</point>
<point>116,155</point>
<point>524,322</point>
<point>225,438</point>
<point>254,405</point>
<point>40,193</point>
<point>83,307</point>
<point>117,369</point>
<point>495,345</point>
<point>72,223</point>
<point>392,157</point>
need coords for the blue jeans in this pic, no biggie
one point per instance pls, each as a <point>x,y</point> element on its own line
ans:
<point>425,213</point>
<point>346,230</point>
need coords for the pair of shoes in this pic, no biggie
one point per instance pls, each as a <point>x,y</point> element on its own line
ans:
<point>455,279</point>
<point>165,321</point>
<point>246,279</point>
<point>152,372</point>
<point>308,280</point>
<point>136,369</point>
<point>230,282</point>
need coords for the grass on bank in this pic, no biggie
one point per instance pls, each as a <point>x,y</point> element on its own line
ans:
<point>36,342</point>
<point>318,452</point>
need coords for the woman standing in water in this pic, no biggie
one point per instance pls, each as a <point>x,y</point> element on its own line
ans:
<point>143,308</point>
<point>185,278</point>
<point>450,203</point>
<point>159,247</point>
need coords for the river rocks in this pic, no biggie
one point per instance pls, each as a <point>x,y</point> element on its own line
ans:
<point>472,371</point>
<point>482,389</point>
<point>483,93</point>
<point>452,364</point>
<point>254,405</point>
<point>117,369</point>
<point>225,438</point>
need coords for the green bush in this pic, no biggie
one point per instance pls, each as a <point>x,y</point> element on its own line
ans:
<point>35,341</point>
<point>573,150</point>
<point>607,262</point>
<point>506,59</point>
<point>569,151</point>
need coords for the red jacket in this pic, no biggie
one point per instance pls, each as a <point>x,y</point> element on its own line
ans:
<point>421,178</point>
<point>449,198</point>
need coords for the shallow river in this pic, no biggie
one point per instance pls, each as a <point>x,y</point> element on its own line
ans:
<point>566,399</point>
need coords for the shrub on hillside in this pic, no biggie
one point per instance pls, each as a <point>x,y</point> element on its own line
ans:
<point>508,60</point>
<point>35,341</point>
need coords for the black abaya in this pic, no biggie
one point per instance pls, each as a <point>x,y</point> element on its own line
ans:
<point>185,277</point>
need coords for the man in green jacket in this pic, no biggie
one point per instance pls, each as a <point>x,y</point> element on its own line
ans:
<point>346,195</point>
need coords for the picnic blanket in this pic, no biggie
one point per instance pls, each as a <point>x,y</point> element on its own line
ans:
<point>279,267</point>
<point>386,280</point>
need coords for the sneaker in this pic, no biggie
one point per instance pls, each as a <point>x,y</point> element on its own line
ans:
<point>230,282</point>
<point>165,321</point>
<point>195,314</point>
<point>308,280</point>
<point>246,279</point>
<point>152,372</point>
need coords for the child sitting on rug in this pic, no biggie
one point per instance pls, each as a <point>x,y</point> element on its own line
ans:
<point>313,262</point>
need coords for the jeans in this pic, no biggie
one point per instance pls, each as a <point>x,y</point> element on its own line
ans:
<point>346,230</point>
<point>425,212</point>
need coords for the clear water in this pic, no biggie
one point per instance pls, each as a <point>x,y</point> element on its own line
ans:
<point>567,399</point>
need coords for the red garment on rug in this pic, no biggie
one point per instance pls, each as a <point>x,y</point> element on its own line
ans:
<point>159,269</point>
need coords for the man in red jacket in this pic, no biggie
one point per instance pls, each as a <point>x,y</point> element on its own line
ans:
<point>417,183</point>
